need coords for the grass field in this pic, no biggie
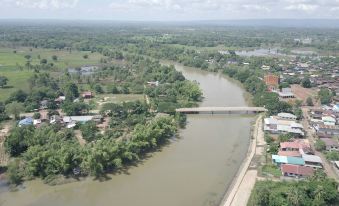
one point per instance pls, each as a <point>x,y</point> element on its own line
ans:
<point>18,78</point>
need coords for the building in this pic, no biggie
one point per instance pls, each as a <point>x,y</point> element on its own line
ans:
<point>265,67</point>
<point>153,84</point>
<point>272,82</point>
<point>26,122</point>
<point>312,161</point>
<point>328,120</point>
<point>55,119</point>
<point>289,153</point>
<point>336,108</point>
<point>331,144</point>
<point>44,104</point>
<point>280,160</point>
<point>60,99</point>
<point>290,146</point>
<point>80,119</point>
<point>287,116</point>
<point>278,126</point>
<point>327,129</point>
<point>87,95</point>
<point>297,171</point>
<point>286,93</point>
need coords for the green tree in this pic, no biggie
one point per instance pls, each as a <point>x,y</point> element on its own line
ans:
<point>309,101</point>
<point>3,81</point>
<point>17,142</point>
<point>85,56</point>
<point>55,58</point>
<point>98,89</point>
<point>43,61</point>
<point>37,115</point>
<point>306,83</point>
<point>332,156</point>
<point>89,131</point>
<point>320,145</point>
<point>325,96</point>
<point>15,108</point>
<point>15,172</point>
<point>71,91</point>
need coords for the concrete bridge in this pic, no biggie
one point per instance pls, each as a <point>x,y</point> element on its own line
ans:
<point>221,110</point>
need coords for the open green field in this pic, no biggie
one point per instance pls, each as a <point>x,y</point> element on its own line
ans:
<point>65,58</point>
<point>18,78</point>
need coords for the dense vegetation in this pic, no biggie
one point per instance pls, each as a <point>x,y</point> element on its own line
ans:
<point>49,150</point>
<point>317,190</point>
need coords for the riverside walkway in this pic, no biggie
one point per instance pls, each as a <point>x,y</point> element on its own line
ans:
<point>221,110</point>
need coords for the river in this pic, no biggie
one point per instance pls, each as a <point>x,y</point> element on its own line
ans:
<point>194,170</point>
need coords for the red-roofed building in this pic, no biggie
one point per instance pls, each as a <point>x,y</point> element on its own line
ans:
<point>87,95</point>
<point>294,146</point>
<point>289,153</point>
<point>272,82</point>
<point>289,146</point>
<point>297,171</point>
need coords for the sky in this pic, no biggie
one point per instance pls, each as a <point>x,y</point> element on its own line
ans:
<point>169,10</point>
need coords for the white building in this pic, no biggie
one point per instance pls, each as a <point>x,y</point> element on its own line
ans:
<point>329,120</point>
<point>279,126</point>
<point>288,116</point>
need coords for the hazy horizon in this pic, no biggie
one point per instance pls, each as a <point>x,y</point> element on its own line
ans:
<point>169,10</point>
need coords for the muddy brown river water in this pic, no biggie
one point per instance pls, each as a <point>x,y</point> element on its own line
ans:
<point>194,170</point>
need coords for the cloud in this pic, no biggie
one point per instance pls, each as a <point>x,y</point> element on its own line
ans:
<point>42,4</point>
<point>172,9</point>
<point>302,7</point>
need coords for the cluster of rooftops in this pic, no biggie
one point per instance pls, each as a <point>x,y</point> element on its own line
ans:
<point>296,159</point>
<point>283,123</point>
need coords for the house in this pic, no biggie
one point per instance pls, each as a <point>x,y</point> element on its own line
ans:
<point>290,146</point>
<point>294,147</point>
<point>272,82</point>
<point>287,116</point>
<point>280,160</point>
<point>155,84</point>
<point>311,160</point>
<point>331,144</point>
<point>36,122</point>
<point>97,118</point>
<point>44,104</point>
<point>328,120</point>
<point>289,153</point>
<point>60,99</point>
<point>87,95</point>
<point>286,93</point>
<point>265,67</point>
<point>80,119</point>
<point>55,119</point>
<point>278,126</point>
<point>336,108</point>
<point>327,129</point>
<point>316,113</point>
<point>26,122</point>
<point>297,171</point>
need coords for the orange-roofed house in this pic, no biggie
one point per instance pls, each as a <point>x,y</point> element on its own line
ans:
<point>272,82</point>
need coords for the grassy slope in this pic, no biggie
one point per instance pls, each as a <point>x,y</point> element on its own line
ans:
<point>18,79</point>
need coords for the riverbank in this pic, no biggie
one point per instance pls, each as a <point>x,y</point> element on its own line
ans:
<point>240,190</point>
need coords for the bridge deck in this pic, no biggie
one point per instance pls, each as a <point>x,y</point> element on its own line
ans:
<point>221,109</point>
